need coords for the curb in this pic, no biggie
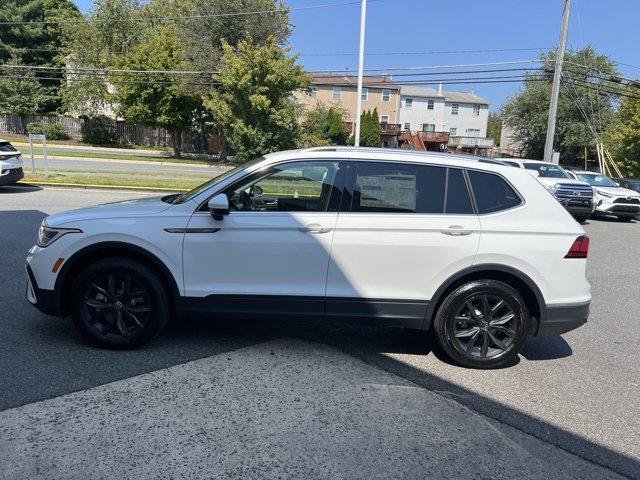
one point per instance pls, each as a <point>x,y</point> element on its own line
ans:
<point>98,187</point>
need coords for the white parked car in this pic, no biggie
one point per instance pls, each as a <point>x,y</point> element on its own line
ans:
<point>574,194</point>
<point>10,164</point>
<point>473,249</point>
<point>610,198</point>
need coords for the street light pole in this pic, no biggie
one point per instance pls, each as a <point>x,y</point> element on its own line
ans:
<point>363,16</point>
<point>555,89</point>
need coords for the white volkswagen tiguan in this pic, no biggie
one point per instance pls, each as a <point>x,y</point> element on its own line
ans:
<point>473,249</point>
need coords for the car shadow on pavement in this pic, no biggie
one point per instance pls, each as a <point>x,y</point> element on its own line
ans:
<point>19,188</point>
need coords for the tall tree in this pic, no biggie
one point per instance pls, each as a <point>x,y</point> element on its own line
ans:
<point>370,129</point>
<point>156,99</point>
<point>254,105</point>
<point>585,72</point>
<point>38,41</point>
<point>21,93</point>
<point>494,127</point>
<point>625,134</point>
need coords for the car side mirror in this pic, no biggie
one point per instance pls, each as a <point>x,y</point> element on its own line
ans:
<point>219,206</point>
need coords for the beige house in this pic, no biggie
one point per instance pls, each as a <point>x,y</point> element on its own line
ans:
<point>341,91</point>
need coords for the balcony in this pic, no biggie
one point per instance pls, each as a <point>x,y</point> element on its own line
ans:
<point>471,142</point>
<point>390,128</point>
<point>434,137</point>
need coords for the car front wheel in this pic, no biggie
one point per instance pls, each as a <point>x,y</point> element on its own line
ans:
<point>482,324</point>
<point>119,303</point>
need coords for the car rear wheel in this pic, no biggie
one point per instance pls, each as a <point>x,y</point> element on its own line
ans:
<point>482,324</point>
<point>119,304</point>
<point>625,218</point>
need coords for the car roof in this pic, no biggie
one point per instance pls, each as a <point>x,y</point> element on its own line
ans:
<point>386,154</point>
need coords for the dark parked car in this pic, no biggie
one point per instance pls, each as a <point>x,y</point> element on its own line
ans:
<point>630,183</point>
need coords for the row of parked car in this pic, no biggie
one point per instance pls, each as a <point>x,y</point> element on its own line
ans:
<point>585,193</point>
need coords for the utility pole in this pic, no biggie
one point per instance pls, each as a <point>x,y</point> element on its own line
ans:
<point>363,16</point>
<point>555,90</point>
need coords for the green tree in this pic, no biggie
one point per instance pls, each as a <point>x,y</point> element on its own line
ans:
<point>156,99</point>
<point>323,125</point>
<point>21,93</point>
<point>370,129</point>
<point>526,113</point>
<point>254,105</point>
<point>625,134</point>
<point>494,127</point>
<point>35,43</point>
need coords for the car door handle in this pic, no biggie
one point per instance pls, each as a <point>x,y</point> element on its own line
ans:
<point>314,228</point>
<point>456,231</point>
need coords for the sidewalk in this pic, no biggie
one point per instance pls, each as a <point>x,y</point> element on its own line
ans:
<point>61,146</point>
<point>280,409</point>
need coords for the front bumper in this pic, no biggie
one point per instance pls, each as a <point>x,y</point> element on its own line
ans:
<point>628,209</point>
<point>578,206</point>
<point>11,175</point>
<point>44,300</point>
<point>560,319</point>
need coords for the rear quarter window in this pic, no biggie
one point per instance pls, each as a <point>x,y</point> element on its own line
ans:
<point>492,192</point>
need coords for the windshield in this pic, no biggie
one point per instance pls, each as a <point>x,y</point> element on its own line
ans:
<point>597,180</point>
<point>185,197</point>
<point>547,170</point>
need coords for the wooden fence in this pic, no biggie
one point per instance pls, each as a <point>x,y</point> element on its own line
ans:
<point>119,132</point>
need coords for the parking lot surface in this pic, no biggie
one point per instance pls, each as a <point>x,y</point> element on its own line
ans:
<point>568,408</point>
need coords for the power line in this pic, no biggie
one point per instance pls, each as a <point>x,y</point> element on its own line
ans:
<point>432,52</point>
<point>190,17</point>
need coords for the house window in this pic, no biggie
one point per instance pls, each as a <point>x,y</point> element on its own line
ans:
<point>337,93</point>
<point>430,104</point>
<point>407,126</point>
<point>454,108</point>
<point>453,132</point>
<point>473,132</point>
<point>386,94</point>
<point>365,93</point>
<point>476,110</point>
<point>312,92</point>
<point>384,118</point>
<point>428,127</point>
<point>408,102</point>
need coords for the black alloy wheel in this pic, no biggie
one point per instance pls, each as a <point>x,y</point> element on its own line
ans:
<point>119,303</point>
<point>482,324</point>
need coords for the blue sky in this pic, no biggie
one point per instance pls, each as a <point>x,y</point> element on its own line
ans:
<point>424,25</point>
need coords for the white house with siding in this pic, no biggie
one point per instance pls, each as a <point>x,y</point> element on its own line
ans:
<point>464,115</point>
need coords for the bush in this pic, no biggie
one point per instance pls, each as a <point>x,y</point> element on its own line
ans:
<point>53,131</point>
<point>96,132</point>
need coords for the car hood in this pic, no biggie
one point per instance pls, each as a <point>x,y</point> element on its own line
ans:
<point>554,181</point>
<point>129,208</point>
<point>618,191</point>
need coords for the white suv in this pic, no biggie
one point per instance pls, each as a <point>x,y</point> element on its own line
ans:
<point>474,249</point>
<point>10,164</point>
<point>610,198</point>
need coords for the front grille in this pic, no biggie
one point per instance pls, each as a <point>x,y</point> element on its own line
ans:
<point>567,190</point>
<point>631,201</point>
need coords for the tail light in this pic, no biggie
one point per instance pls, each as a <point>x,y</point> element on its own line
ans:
<point>580,248</point>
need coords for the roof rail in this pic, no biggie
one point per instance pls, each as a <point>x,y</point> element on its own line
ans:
<point>402,151</point>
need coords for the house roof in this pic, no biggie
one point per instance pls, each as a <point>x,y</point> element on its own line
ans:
<point>378,81</point>
<point>462,97</point>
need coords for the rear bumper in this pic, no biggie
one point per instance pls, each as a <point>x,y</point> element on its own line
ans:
<point>10,176</point>
<point>44,300</point>
<point>560,319</point>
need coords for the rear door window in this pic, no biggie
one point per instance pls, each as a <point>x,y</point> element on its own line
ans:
<point>397,188</point>
<point>492,192</point>
<point>458,201</point>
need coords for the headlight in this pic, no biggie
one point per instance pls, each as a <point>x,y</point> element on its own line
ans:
<point>48,235</point>
<point>551,188</point>
<point>605,194</point>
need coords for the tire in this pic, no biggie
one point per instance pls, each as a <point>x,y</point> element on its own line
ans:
<point>464,341</point>
<point>119,303</point>
<point>623,218</point>
<point>581,219</point>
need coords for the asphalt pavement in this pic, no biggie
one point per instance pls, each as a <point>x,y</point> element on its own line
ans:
<point>331,402</point>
